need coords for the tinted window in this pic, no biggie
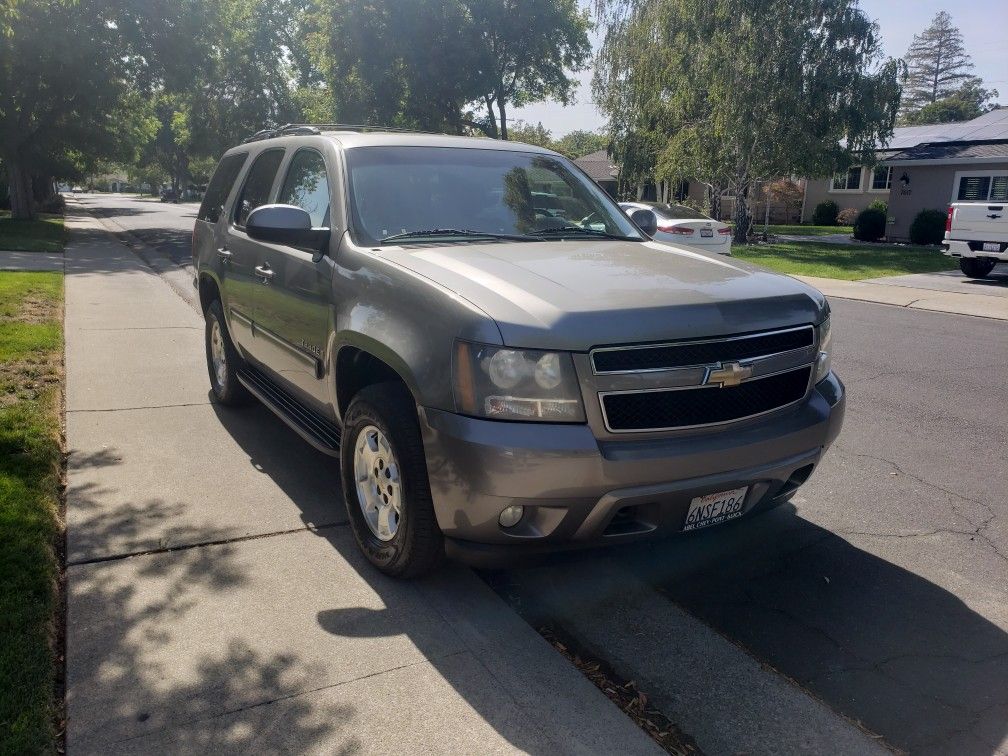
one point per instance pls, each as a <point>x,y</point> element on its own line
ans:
<point>220,186</point>
<point>257,187</point>
<point>396,190</point>
<point>307,187</point>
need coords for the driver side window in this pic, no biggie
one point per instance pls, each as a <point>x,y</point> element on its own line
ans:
<point>307,186</point>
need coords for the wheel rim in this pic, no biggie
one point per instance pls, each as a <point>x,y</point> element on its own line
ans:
<point>217,354</point>
<point>379,487</point>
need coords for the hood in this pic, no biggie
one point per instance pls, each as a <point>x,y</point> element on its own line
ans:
<point>575,295</point>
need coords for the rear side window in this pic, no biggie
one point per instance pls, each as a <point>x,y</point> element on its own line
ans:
<point>307,187</point>
<point>255,192</point>
<point>220,186</point>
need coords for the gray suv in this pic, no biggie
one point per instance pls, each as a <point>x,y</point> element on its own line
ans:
<point>503,361</point>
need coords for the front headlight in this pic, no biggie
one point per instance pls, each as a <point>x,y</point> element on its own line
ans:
<point>516,384</point>
<point>823,361</point>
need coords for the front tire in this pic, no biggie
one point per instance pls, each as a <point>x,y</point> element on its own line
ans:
<point>385,484</point>
<point>976,267</point>
<point>223,360</point>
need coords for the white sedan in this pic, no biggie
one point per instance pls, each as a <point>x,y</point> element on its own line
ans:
<point>683,225</point>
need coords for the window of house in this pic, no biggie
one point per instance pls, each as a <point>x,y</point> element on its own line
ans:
<point>849,181</point>
<point>981,186</point>
<point>881,178</point>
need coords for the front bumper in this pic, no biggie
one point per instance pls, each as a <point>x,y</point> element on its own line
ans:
<point>959,248</point>
<point>579,491</point>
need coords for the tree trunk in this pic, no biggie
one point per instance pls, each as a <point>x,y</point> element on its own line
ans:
<point>742,219</point>
<point>503,117</point>
<point>714,201</point>
<point>20,183</point>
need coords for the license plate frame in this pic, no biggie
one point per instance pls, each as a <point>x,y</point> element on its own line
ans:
<point>715,508</point>
<point>707,233</point>
<point>991,247</point>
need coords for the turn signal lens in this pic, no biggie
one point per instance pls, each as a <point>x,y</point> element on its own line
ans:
<point>824,362</point>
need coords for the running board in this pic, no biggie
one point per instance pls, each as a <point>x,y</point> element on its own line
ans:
<point>321,433</point>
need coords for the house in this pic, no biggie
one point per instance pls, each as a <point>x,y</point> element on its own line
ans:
<point>924,167</point>
<point>600,169</point>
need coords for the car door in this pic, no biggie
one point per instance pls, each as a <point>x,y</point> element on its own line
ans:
<point>242,283</point>
<point>294,309</point>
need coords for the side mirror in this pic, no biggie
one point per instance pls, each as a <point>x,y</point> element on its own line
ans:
<point>646,221</point>
<point>286,224</point>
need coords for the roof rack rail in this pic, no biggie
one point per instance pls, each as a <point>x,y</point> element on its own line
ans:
<point>306,129</point>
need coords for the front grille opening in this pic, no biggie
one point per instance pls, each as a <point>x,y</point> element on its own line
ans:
<point>686,353</point>
<point>634,518</point>
<point>704,405</point>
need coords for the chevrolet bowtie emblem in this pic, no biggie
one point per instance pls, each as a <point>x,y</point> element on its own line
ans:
<point>727,374</point>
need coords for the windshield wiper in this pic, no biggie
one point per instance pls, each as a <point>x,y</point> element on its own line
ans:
<point>452,232</point>
<point>575,230</point>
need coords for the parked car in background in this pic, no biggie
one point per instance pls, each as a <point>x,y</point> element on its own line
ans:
<point>684,225</point>
<point>976,233</point>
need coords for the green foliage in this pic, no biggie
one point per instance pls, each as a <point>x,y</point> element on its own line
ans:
<point>787,87</point>
<point>537,135</point>
<point>579,143</point>
<point>870,224</point>
<point>29,521</point>
<point>825,213</point>
<point>881,205</point>
<point>965,104</point>
<point>843,261</point>
<point>936,65</point>
<point>43,234</point>
<point>375,58</point>
<point>928,227</point>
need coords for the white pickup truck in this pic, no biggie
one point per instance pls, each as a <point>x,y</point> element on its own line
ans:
<point>977,234</point>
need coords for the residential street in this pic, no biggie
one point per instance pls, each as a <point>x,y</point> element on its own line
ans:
<point>882,589</point>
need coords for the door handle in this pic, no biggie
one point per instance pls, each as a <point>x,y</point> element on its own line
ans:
<point>224,254</point>
<point>264,273</point>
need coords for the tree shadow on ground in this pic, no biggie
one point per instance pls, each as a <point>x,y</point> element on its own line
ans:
<point>877,643</point>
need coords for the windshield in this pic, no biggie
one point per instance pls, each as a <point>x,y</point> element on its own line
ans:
<point>450,194</point>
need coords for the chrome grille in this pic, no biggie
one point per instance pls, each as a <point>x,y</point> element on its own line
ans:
<point>686,353</point>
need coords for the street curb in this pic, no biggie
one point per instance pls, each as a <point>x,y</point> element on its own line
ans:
<point>948,302</point>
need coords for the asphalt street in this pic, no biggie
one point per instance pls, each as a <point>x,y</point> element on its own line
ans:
<point>882,589</point>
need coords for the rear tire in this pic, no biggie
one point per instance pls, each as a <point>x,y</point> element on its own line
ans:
<point>385,486</point>
<point>976,267</point>
<point>223,360</point>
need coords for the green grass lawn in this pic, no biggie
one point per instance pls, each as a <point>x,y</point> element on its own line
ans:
<point>844,261</point>
<point>45,234</point>
<point>806,230</point>
<point>30,527</point>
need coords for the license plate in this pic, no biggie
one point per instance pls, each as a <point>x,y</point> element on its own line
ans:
<point>991,247</point>
<point>707,232</point>
<point>715,508</point>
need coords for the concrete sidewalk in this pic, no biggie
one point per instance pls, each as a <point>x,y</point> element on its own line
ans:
<point>901,295</point>
<point>216,600</point>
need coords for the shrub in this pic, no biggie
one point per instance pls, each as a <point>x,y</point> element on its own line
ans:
<point>928,227</point>
<point>881,206</point>
<point>870,224</point>
<point>847,216</point>
<point>825,213</point>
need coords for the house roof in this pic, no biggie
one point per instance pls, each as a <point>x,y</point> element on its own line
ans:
<point>989,126</point>
<point>598,166</point>
<point>949,151</point>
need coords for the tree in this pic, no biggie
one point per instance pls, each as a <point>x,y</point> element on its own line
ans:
<point>443,65</point>
<point>936,65</point>
<point>579,143</point>
<point>788,86</point>
<point>537,135</point>
<point>965,104</point>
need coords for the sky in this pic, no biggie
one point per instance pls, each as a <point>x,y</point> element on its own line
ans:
<point>982,23</point>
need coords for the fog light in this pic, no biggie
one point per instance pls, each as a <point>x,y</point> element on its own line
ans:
<point>510,516</point>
